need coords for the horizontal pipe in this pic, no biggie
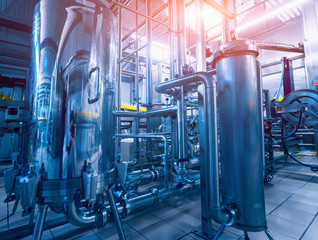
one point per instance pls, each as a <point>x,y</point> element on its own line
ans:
<point>219,8</point>
<point>155,197</point>
<point>279,47</point>
<point>141,14</point>
<point>280,62</point>
<point>131,206</point>
<point>143,24</point>
<point>146,176</point>
<point>199,77</point>
<point>145,45</point>
<point>152,113</point>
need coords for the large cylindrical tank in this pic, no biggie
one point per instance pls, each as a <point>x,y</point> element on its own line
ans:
<point>71,88</point>
<point>241,132</point>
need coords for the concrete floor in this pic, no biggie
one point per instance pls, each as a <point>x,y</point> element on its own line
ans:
<point>291,207</point>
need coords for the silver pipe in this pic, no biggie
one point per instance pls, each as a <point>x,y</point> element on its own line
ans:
<point>146,176</point>
<point>38,229</point>
<point>152,113</point>
<point>136,120</point>
<point>164,157</point>
<point>177,37</point>
<point>208,142</point>
<point>149,97</point>
<point>118,122</point>
<point>78,217</point>
<point>143,24</point>
<point>279,47</point>
<point>182,138</point>
<point>143,46</point>
<point>200,36</point>
<point>228,24</point>
<point>155,196</point>
<point>301,56</point>
<point>147,16</point>
<point>148,57</point>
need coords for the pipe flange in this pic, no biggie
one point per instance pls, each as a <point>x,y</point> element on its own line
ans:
<point>234,212</point>
<point>155,193</point>
<point>101,217</point>
<point>237,47</point>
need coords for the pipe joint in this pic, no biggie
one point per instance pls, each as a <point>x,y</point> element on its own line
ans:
<point>225,215</point>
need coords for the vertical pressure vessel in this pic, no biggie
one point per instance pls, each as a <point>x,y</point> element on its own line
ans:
<point>241,132</point>
<point>71,89</point>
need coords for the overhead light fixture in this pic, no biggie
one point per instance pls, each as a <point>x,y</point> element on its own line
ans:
<point>275,12</point>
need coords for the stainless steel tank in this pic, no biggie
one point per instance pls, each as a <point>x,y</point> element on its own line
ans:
<point>241,132</point>
<point>71,89</point>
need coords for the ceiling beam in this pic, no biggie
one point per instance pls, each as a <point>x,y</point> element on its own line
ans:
<point>219,8</point>
<point>8,22</point>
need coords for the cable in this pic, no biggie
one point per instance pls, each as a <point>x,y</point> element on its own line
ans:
<point>295,130</point>
<point>313,168</point>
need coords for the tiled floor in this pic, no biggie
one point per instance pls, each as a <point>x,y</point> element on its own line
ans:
<point>291,207</point>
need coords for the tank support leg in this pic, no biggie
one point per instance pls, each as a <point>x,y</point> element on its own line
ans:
<point>268,234</point>
<point>38,229</point>
<point>219,232</point>
<point>118,224</point>
<point>246,237</point>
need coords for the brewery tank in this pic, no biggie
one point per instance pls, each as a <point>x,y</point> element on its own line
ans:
<point>70,92</point>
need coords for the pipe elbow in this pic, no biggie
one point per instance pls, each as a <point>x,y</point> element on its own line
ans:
<point>79,217</point>
<point>224,215</point>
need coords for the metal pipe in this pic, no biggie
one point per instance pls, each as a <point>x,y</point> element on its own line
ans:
<point>223,10</point>
<point>147,16</point>
<point>146,176</point>
<point>130,206</point>
<point>177,37</point>
<point>157,112</point>
<point>113,207</point>
<point>143,24</point>
<point>149,95</point>
<point>228,24</point>
<point>279,47</point>
<point>208,141</point>
<point>182,138</point>
<point>155,196</point>
<point>136,120</point>
<point>118,122</point>
<point>78,217</point>
<point>301,56</point>
<point>267,105</point>
<point>38,230</point>
<point>200,36</point>
<point>148,57</point>
<point>146,44</point>
<point>164,157</point>
<point>141,36</point>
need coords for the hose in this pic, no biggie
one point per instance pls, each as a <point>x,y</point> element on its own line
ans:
<point>295,130</point>
<point>280,84</point>
<point>313,168</point>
